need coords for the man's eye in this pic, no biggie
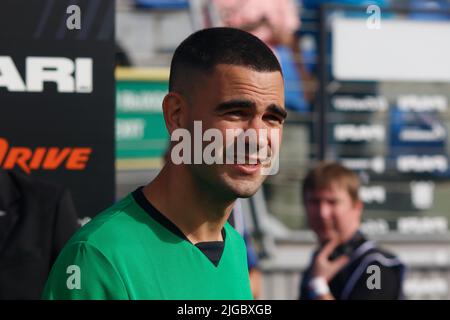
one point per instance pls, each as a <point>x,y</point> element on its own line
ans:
<point>272,118</point>
<point>238,113</point>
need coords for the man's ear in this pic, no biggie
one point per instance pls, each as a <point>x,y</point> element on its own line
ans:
<point>174,110</point>
<point>359,206</point>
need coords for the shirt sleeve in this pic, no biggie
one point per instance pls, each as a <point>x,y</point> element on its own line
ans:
<point>83,272</point>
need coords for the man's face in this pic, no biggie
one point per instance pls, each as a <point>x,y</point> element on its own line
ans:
<point>235,97</point>
<point>332,214</point>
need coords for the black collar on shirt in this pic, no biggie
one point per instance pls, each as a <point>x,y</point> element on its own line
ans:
<point>211,249</point>
<point>348,247</point>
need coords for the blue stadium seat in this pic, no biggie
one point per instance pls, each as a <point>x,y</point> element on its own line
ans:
<point>162,4</point>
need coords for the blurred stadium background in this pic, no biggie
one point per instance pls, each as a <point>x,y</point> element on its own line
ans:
<point>382,109</point>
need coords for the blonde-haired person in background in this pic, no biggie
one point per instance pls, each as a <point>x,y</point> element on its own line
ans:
<point>343,265</point>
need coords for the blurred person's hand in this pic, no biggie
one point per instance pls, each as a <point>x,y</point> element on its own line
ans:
<point>255,282</point>
<point>324,267</point>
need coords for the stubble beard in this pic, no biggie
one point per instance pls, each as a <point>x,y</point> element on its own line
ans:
<point>222,183</point>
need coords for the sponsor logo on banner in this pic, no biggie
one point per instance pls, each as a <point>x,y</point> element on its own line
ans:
<point>422,225</point>
<point>129,129</point>
<point>437,133</point>
<point>414,163</point>
<point>376,164</point>
<point>422,194</point>
<point>131,101</point>
<point>375,226</point>
<point>421,286</point>
<point>369,103</point>
<point>43,158</point>
<point>416,103</point>
<point>69,76</point>
<point>371,194</point>
<point>352,132</point>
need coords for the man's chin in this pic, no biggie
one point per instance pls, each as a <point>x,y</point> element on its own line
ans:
<point>243,186</point>
<point>245,194</point>
<point>244,189</point>
<point>326,236</point>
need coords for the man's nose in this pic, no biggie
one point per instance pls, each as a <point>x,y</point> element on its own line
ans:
<point>324,210</point>
<point>256,122</point>
<point>261,136</point>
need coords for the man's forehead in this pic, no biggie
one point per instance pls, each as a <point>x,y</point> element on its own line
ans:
<point>244,71</point>
<point>331,190</point>
<point>240,66</point>
<point>237,81</point>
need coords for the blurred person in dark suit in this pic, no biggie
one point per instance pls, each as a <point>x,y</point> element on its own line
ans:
<point>36,220</point>
<point>346,266</point>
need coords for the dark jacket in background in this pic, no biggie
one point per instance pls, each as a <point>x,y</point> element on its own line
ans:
<point>36,220</point>
<point>350,283</point>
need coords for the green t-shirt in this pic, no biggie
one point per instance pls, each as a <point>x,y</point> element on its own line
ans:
<point>125,253</point>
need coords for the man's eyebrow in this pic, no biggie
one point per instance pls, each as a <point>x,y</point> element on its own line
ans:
<point>233,104</point>
<point>248,104</point>
<point>278,110</point>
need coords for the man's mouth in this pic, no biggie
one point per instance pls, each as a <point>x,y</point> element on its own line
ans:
<point>248,168</point>
<point>250,160</point>
<point>249,165</point>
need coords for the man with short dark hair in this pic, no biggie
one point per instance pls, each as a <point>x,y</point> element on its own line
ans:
<point>170,239</point>
<point>347,266</point>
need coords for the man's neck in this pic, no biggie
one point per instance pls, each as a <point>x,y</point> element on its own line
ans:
<point>196,211</point>
<point>342,238</point>
<point>349,235</point>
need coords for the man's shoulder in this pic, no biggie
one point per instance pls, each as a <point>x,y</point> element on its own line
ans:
<point>233,234</point>
<point>113,225</point>
<point>370,252</point>
<point>376,274</point>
